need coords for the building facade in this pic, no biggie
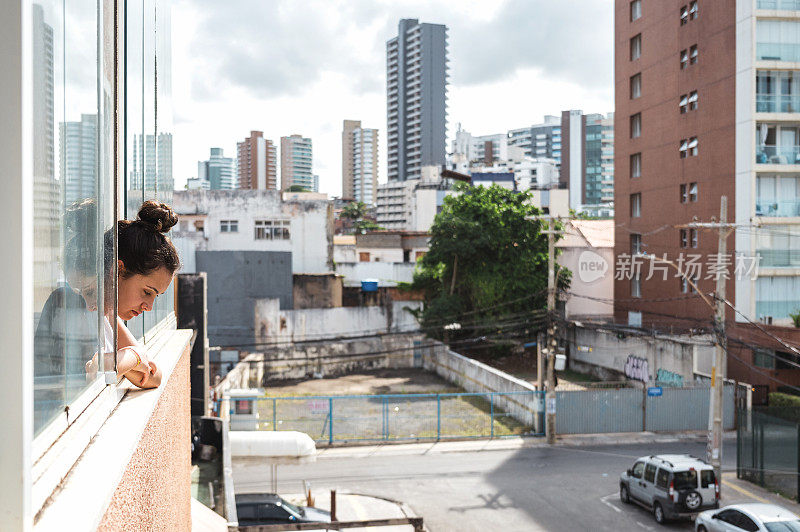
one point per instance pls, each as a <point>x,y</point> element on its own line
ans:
<point>539,140</point>
<point>416,83</point>
<point>152,162</point>
<point>78,159</point>
<point>218,171</point>
<point>257,163</point>
<point>359,162</point>
<point>296,163</point>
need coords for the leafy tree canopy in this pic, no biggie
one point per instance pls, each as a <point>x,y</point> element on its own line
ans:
<point>486,268</point>
<point>356,211</point>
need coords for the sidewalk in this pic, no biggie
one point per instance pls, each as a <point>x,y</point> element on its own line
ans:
<point>737,491</point>
<point>510,444</point>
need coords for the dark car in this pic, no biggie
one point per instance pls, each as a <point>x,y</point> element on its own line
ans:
<point>271,509</point>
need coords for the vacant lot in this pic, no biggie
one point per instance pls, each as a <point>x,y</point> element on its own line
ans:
<point>381,406</point>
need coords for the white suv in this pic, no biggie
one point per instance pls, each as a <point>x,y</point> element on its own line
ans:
<point>671,485</point>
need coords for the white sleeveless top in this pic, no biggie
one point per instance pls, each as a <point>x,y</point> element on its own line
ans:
<point>109,336</point>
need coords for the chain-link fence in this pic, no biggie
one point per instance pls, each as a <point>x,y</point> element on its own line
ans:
<point>349,418</point>
<point>767,448</point>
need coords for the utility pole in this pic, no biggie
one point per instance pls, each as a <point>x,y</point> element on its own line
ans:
<point>550,396</point>
<point>719,370</point>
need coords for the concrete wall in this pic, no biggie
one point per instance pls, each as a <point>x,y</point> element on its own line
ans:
<point>324,358</point>
<point>608,354</point>
<point>155,490</point>
<point>585,284</point>
<point>474,376</point>
<point>388,273</point>
<point>317,291</point>
<point>236,280</point>
<point>311,224</point>
<point>272,324</point>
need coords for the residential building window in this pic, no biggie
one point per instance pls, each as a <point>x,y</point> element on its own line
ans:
<point>636,47</point>
<point>636,244</point>
<point>684,15</point>
<point>636,286</point>
<point>684,148</point>
<point>272,229</point>
<point>692,192</point>
<point>363,256</point>
<point>684,59</point>
<point>229,226</point>
<point>636,10</point>
<point>636,125</point>
<point>693,146</point>
<point>694,238</point>
<point>764,358</point>
<point>684,238</point>
<point>693,101</point>
<point>686,286</point>
<point>636,165</point>
<point>684,103</point>
<point>693,12</point>
<point>636,86</point>
<point>636,205</point>
<point>684,193</point>
<point>693,54</point>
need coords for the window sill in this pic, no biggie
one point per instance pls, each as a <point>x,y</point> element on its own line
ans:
<point>107,440</point>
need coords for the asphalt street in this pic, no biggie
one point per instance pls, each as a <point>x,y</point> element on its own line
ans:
<point>530,488</point>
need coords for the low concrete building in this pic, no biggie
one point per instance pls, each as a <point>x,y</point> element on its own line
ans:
<point>587,250</point>
<point>321,290</point>
<point>257,220</point>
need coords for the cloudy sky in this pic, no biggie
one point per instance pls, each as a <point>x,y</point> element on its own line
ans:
<point>289,66</point>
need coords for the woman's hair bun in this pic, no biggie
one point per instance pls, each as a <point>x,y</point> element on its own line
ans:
<point>159,216</point>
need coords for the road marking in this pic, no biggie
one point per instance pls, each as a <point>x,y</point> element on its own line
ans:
<point>745,492</point>
<point>644,526</point>
<point>605,501</point>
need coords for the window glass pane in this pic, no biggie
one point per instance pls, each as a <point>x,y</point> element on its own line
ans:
<point>638,468</point>
<point>69,204</point>
<point>662,478</point>
<point>650,473</point>
<point>685,480</point>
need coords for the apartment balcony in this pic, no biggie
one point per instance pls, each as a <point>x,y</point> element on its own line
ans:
<point>779,258</point>
<point>779,5</point>
<point>771,154</point>
<point>772,103</point>
<point>778,52</point>
<point>778,209</point>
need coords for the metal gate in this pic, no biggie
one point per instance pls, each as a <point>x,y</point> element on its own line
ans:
<point>633,410</point>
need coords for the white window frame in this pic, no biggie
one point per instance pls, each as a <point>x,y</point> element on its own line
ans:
<point>684,15</point>
<point>692,192</point>
<point>693,10</point>
<point>684,104</point>
<point>684,193</point>
<point>693,54</point>
<point>229,226</point>
<point>684,148</point>
<point>693,146</point>
<point>684,59</point>
<point>693,100</point>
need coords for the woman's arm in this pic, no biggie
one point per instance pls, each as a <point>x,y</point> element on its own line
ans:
<point>132,362</point>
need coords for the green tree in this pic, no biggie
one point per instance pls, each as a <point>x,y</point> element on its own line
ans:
<point>356,211</point>
<point>486,268</point>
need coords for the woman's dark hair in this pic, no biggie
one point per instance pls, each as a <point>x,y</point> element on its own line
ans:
<point>142,246</point>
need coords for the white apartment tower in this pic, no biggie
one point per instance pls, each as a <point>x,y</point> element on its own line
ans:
<point>359,162</point>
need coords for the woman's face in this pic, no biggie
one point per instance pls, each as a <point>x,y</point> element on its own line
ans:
<point>137,293</point>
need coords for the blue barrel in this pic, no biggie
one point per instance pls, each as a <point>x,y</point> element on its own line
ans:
<point>369,285</point>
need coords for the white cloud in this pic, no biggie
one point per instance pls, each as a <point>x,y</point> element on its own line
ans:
<point>302,67</point>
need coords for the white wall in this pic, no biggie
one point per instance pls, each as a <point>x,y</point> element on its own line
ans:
<point>585,285</point>
<point>311,229</point>
<point>387,272</point>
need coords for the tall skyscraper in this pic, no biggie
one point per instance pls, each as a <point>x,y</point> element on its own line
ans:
<point>416,82</point>
<point>152,162</point>
<point>296,168</point>
<point>78,161</point>
<point>257,160</point>
<point>359,162</point>
<point>218,171</point>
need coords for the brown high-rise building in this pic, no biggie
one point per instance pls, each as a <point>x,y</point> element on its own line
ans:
<point>359,162</point>
<point>257,162</point>
<point>707,101</point>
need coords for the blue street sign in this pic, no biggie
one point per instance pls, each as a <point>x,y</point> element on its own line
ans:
<point>655,391</point>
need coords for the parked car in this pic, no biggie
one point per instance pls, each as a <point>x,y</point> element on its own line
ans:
<point>271,509</point>
<point>750,517</point>
<point>671,485</point>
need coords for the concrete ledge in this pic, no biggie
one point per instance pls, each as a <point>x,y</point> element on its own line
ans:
<point>93,482</point>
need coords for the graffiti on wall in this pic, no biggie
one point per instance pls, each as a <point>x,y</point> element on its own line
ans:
<point>636,368</point>
<point>669,378</point>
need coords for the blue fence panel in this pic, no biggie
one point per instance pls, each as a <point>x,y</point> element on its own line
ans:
<point>597,411</point>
